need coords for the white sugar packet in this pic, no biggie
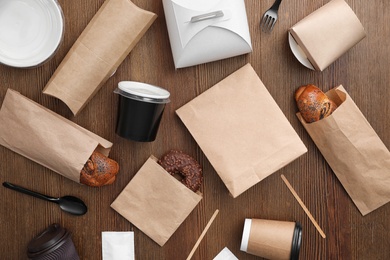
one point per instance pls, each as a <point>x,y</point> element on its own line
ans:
<point>118,245</point>
<point>225,254</point>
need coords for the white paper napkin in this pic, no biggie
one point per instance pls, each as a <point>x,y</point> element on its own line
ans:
<point>118,245</point>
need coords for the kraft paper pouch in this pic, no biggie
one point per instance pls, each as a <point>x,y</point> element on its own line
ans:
<point>241,130</point>
<point>45,137</point>
<point>326,34</point>
<point>103,45</point>
<point>354,151</point>
<point>156,202</point>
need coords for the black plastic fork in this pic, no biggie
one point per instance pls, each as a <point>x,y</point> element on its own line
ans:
<point>270,17</point>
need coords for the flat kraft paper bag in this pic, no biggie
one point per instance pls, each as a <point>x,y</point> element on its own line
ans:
<point>354,151</point>
<point>241,130</point>
<point>45,137</point>
<point>328,33</point>
<point>103,45</point>
<point>156,202</point>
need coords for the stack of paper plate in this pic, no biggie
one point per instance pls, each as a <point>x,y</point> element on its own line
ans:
<point>30,31</point>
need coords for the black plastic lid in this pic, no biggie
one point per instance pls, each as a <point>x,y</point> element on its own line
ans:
<point>296,242</point>
<point>47,240</point>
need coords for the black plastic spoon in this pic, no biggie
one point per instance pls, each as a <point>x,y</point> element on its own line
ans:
<point>68,204</point>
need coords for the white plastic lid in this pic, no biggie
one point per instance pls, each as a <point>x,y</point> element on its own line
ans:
<point>245,234</point>
<point>298,52</point>
<point>144,91</point>
<point>30,31</point>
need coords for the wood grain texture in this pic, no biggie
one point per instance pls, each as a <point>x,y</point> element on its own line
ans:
<point>363,71</point>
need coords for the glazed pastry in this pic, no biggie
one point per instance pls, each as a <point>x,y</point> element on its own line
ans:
<point>313,104</point>
<point>99,170</point>
<point>177,162</point>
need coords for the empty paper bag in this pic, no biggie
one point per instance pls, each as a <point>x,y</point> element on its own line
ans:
<point>241,130</point>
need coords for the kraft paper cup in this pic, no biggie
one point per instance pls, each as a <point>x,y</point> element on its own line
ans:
<point>54,242</point>
<point>31,32</point>
<point>272,239</point>
<point>141,107</point>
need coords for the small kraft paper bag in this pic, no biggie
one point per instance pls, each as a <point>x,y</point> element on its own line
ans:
<point>241,130</point>
<point>156,202</point>
<point>103,45</point>
<point>327,33</point>
<point>354,151</point>
<point>45,137</point>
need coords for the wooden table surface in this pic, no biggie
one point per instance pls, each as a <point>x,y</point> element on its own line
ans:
<point>363,71</point>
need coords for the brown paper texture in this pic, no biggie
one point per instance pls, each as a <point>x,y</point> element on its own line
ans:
<point>103,45</point>
<point>328,33</point>
<point>271,239</point>
<point>241,130</point>
<point>354,151</point>
<point>156,202</point>
<point>43,136</point>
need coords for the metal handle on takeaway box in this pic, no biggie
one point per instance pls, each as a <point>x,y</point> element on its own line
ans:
<point>207,16</point>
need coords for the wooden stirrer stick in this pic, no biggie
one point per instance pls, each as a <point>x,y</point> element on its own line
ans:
<point>203,234</point>
<point>303,206</point>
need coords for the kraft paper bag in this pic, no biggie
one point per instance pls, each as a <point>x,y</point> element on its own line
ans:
<point>156,202</point>
<point>241,130</point>
<point>45,137</point>
<point>328,33</point>
<point>354,151</point>
<point>106,41</point>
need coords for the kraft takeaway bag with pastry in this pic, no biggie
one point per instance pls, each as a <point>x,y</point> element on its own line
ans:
<point>45,137</point>
<point>106,41</point>
<point>354,151</point>
<point>241,130</point>
<point>156,202</point>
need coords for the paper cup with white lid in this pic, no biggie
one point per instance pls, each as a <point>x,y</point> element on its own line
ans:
<point>140,110</point>
<point>30,32</point>
<point>272,239</point>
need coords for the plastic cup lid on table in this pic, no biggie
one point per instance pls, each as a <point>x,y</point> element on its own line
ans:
<point>143,92</point>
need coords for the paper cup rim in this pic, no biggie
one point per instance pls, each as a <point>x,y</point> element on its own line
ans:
<point>143,92</point>
<point>245,235</point>
<point>44,45</point>
<point>298,52</point>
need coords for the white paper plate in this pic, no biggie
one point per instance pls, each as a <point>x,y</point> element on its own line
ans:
<point>298,52</point>
<point>30,31</point>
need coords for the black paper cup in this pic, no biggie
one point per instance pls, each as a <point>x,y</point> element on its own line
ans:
<point>272,239</point>
<point>141,107</point>
<point>53,243</point>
